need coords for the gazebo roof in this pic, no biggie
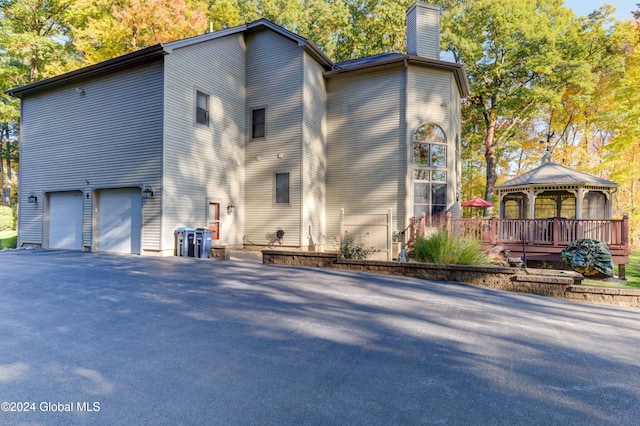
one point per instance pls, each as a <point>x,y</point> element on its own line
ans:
<point>550,173</point>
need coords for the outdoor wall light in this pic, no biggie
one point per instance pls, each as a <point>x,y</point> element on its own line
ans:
<point>231,207</point>
<point>32,198</point>
<point>147,192</point>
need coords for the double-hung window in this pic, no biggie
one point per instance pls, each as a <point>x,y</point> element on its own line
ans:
<point>202,108</point>
<point>258,123</point>
<point>282,188</point>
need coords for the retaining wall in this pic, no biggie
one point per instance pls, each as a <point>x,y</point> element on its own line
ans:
<point>544,282</point>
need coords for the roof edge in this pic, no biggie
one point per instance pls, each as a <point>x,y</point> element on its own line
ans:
<point>306,44</point>
<point>458,69</point>
<point>119,62</point>
<point>159,50</point>
<point>169,47</point>
<point>594,181</point>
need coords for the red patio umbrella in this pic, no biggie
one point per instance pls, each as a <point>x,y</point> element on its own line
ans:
<point>477,202</point>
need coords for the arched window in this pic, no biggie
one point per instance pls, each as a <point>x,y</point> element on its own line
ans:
<point>429,171</point>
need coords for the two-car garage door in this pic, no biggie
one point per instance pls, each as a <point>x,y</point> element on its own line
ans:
<point>119,220</point>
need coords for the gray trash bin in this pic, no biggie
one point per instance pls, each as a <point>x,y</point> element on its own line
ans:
<point>184,241</point>
<point>203,242</point>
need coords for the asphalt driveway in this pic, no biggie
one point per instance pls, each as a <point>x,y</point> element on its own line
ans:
<point>103,339</point>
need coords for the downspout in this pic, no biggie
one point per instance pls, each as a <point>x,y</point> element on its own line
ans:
<point>408,177</point>
<point>20,203</point>
<point>303,129</point>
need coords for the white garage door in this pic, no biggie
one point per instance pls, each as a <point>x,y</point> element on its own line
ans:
<point>65,220</point>
<point>119,220</point>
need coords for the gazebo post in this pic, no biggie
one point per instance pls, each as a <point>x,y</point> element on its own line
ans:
<point>579,201</point>
<point>532,204</point>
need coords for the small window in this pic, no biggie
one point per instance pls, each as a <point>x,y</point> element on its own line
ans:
<point>258,123</point>
<point>282,188</point>
<point>202,108</point>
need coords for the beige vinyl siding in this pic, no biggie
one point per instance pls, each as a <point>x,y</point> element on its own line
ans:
<point>204,163</point>
<point>366,146</point>
<point>410,36</point>
<point>274,81</point>
<point>430,101</point>
<point>109,135</point>
<point>313,155</point>
<point>423,31</point>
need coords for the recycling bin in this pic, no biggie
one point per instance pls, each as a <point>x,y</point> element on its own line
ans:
<point>203,239</point>
<point>184,241</point>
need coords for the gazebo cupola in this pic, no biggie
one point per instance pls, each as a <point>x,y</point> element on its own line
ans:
<point>552,190</point>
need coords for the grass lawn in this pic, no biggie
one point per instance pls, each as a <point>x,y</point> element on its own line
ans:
<point>633,271</point>
<point>633,275</point>
<point>8,239</point>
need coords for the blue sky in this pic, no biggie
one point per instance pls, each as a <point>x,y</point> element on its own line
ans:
<point>584,7</point>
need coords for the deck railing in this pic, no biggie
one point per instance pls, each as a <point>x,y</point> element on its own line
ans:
<point>553,231</point>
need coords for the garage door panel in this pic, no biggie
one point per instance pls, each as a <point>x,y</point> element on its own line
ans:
<point>65,220</point>
<point>119,220</point>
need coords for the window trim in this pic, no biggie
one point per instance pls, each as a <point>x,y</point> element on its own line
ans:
<point>213,223</point>
<point>275,188</point>
<point>251,124</point>
<point>197,108</point>
<point>422,174</point>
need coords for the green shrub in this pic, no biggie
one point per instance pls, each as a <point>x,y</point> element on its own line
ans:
<point>6,218</point>
<point>443,248</point>
<point>355,246</point>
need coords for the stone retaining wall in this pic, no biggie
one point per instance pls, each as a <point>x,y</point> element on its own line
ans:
<point>544,282</point>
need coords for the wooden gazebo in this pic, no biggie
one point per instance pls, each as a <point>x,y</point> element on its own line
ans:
<point>542,211</point>
<point>555,191</point>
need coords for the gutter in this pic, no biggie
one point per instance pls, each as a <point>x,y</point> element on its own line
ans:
<point>406,60</point>
<point>135,58</point>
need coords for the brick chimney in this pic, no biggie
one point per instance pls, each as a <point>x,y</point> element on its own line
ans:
<point>423,30</point>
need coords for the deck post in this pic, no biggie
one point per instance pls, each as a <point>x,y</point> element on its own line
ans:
<point>494,231</point>
<point>622,271</point>
<point>555,232</point>
<point>422,224</point>
<point>624,238</point>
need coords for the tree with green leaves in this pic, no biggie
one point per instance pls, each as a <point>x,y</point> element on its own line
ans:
<point>598,44</point>
<point>33,46</point>
<point>517,54</point>
<point>621,112</point>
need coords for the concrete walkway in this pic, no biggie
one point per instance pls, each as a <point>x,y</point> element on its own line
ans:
<point>103,339</point>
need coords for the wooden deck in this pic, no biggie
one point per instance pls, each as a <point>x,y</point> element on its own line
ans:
<point>541,239</point>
